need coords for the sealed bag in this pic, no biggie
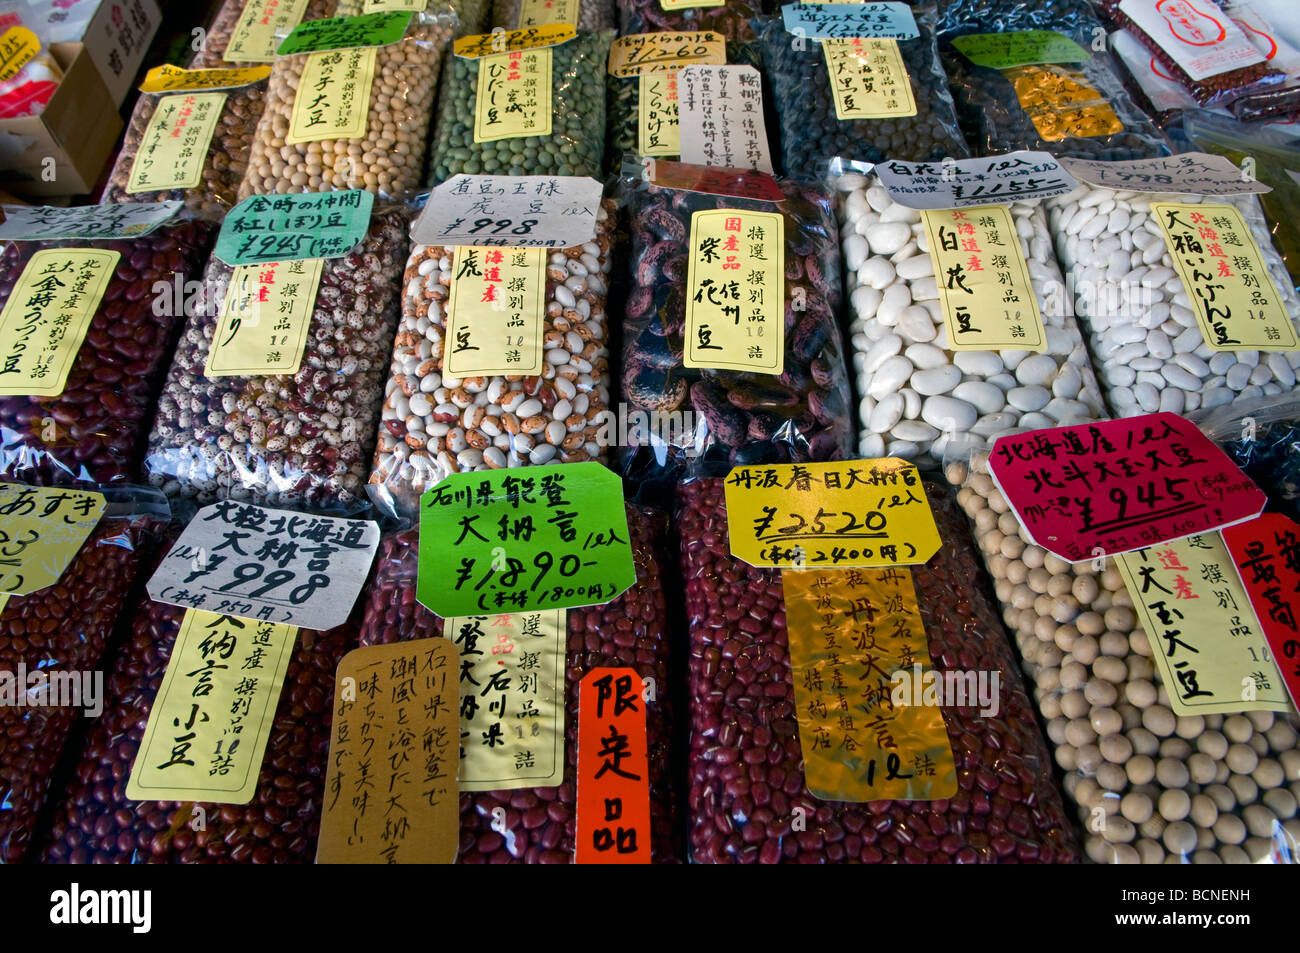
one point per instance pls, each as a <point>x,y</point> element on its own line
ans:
<point>1262,436</point>
<point>733,19</point>
<point>248,32</point>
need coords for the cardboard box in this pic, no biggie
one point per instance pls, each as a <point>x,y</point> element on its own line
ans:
<point>77,131</point>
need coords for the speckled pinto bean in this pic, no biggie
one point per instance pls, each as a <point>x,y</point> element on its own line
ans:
<point>576,145</point>
<point>746,769</point>
<point>287,440</point>
<point>1150,787</point>
<point>592,15</point>
<point>738,417</point>
<point>94,431</point>
<point>434,425</point>
<point>733,19</point>
<point>630,631</point>
<point>389,158</point>
<point>62,628</point>
<point>212,51</point>
<point>95,822</point>
<point>1147,345</point>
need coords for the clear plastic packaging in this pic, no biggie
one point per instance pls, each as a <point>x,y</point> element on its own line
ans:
<point>433,425</point>
<point>632,631</point>
<point>1075,18</point>
<point>1262,436</point>
<point>389,158</point>
<point>1147,348</point>
<point>1149,787</point>
<point>211,53</point>
<point>576,145</point>
<point>94,430</point>
<point>722,416</point>
<point>287,440</point>
<point>746,769</point>
<point>592,15</point>
<point>917,397</point>
<point>95,822</point>
<point>810,131</point>
<point>733,19</point>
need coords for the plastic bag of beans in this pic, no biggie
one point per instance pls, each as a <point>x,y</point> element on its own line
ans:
<point>576,143</point>
<point>95,822</point>
<point>1148,349</point>
<point>221,171</point>
<point>749,802</point>
<point>1150,787</point>
<point>389,157</point>
<point>734,416</point>
<point>1262,436</point>
<point>303,439</point>
<point>733,19</point>
<point>216,40</point>
<point>433,425</point>
<point>93,430</point>
<point>1075,18</point>
<point>632,631</point>
<point>65,629</point>
<point>592,14</point>
<point>916,395</point>
<point>811,132</point>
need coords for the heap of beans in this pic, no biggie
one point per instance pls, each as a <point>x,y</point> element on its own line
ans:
<point>918,398</point>
<point>805,103</point>
<point>1075,18</point>
<point>389,158</point>
<point>212,52</point>
<point>95,822</point>
<point>94,431</point>
<point>62,628</point>
<point>434,425</point>
<point>733,19</point>
<point>746,767</point>
<point>803,414</point>
<point>224,167</point>
<point>576,145</point>
<point>301,439</point>
<point>1150,786</point>
<point>631,631</point>
<point>592,15</point>
<point>1149,350</point>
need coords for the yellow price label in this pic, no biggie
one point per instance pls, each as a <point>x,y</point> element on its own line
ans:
<point>173,79</point>
<point>174,147</point>
<point>18,45</point>
<point>666,52</point>
<point>494,312</point>
<point>658,128</point>
<point>261,27</point>
<point>514,96</point>
<point>333,98</point>
<point>264,319</point>
<point>868,78</point>
<point>41,531</point>
<point>513,41</point>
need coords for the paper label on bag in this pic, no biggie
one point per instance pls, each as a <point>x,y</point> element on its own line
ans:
<point>870,724</point>
<point>173,79</point>
<point>1266,553</point>
<point>1200,37</point>
<point>1204,636</point>
<point>36,223</point>
<point>513,41</point>
<point>495,312</point>
<point>988,302</point>
<point>1061,103</point>
<point>957,183</point>
<point>1091,490</point>
<point>658,128</point>
<point>547,211</point>
<point>41,531</point>
<point>345,33</point>
<point>612,814</point>
<point>261,27</point>
<point>720,117</point>
<point>175,144</point>
<point>512,694</point>
<point>1019,48</point>
<point>207,731</point>
<point>1237,305</point>
<point>546,12</point>
<point>869,79</point>
<point>847,514</point>
<point>269,565</point>
<point>47,315</point>
<point>843,21</point>
<point>687,4</point>
<point>665,52</point>
<point>265,228</point>
<point>264,319</point>
<point>735,301</point>
<point>18,45</point>
<point>514,96</point>
<point>391,795</point>
<point>1192,173</point>
<point>393,6</point>
<point>333,99</point>
<point>548,537</point>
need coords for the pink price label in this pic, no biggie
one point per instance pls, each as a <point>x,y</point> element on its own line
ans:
<point>1093,490</point>
<point>1266,553</point>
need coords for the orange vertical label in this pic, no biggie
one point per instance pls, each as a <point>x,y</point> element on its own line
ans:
<point>613,822</point>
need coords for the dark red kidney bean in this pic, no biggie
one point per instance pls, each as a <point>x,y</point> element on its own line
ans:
<point>65,627</point>
<point>745,767</point>
<point>95,822</point>
<point>632,631</point>
<point>124,355</point>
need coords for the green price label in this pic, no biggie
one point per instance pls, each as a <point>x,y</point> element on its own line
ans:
<point>342,33</point>
<point>1019,48</point>
<point>289,227</point>
<point>552,537</point>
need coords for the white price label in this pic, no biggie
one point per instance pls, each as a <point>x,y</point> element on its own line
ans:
<point>720,117</point>
<point>956,183</point>
<point>528,211</point>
